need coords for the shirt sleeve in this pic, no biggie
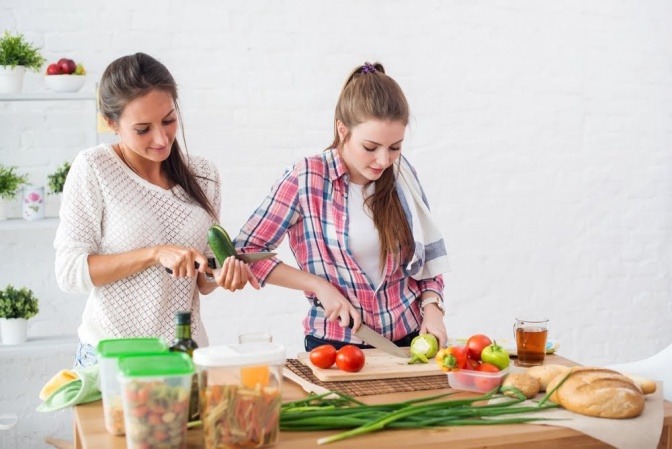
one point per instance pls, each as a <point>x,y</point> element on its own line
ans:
<point>268,225</point>
<point>79,232</point>
<point>434,284</point>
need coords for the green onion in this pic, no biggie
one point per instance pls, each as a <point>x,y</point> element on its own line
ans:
<point>332,410</point>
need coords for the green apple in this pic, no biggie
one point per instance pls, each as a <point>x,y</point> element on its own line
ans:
<point>79,70</point>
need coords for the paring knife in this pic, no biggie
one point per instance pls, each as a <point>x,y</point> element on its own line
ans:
<point>245,257</point>
<point>373,338</point>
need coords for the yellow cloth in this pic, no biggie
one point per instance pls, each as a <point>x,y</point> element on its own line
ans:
<point>61,378</point>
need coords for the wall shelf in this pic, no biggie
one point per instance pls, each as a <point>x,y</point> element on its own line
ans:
<point>49,96</point>
<point>19,224</point>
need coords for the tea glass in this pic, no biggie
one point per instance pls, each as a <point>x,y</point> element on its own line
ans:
<point>531,334</point>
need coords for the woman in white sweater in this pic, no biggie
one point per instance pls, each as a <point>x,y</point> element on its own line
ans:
<point>132,209</point>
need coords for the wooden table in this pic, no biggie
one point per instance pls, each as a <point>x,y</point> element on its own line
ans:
<point>90,430</point>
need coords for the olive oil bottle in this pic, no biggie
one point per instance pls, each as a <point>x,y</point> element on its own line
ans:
<point>184,343</point>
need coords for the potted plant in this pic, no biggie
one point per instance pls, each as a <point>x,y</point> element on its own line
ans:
<point>16,307</point>
<point>10,183</point>
<point>17,55</point>
<point>55,182</point>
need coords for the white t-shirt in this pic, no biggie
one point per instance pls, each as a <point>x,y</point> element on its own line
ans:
<point>107,209</point>
<point>363,237</point>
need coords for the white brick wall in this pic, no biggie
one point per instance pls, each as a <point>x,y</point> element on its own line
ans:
<point>541,130</point>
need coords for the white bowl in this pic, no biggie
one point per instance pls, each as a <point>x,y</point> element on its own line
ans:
<point>65,83</point>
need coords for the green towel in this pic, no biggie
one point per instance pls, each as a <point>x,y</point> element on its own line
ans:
<point>80,391</point>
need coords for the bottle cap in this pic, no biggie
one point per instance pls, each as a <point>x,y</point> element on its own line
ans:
<point>182,317</point>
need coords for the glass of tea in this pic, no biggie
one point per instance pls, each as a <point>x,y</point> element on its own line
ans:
<point>531,333</point>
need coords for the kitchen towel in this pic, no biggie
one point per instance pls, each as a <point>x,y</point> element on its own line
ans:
<point>430,257</point>
<point>70,387</point>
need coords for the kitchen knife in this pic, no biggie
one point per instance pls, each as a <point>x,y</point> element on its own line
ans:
<point>373,338</point>
<point>245,257</point>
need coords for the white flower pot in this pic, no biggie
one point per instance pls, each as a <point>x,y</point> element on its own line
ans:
<point>33,203</point>
<point>11,79</point>
<point>53,204</point>
<point>4,207</point>
<point>14,330</point>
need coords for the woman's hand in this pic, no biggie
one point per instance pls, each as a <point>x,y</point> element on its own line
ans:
<point>181,260</point>
<point>336,307</point>
<point>235,274</point>
<point>432,323</point>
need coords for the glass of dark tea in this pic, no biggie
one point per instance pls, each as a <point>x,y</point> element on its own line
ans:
<point>531,333</point>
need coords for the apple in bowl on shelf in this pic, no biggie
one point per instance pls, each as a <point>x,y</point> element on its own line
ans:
<point>65,75</point>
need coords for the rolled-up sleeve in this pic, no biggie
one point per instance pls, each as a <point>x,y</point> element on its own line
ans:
<point>268,225</point>
<point>434,284</point>
<point>79,231</point>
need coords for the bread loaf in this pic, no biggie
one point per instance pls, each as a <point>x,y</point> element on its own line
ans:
<point>646,385</point>
<point>545,373</point>
<point>597,392</point>
<point>527,384</point>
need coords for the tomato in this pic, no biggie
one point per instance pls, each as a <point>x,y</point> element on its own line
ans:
<point>472,364</point>
<point>487,383</point>
<point>452,358</point>
<point>350,358</point>
<point>496,355</point>
<point>476,344</point>
<point>323,356</point>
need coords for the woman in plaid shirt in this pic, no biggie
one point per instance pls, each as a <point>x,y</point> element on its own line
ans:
<point>349,227</point>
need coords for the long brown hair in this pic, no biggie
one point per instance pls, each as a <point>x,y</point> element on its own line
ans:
<point>134,76</point>
<point>371,94</point>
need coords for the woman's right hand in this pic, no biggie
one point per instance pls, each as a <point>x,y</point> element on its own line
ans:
<point>337,307</point>
<point>181,260</point>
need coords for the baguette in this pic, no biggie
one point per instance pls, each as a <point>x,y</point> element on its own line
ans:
<point>598,392</point>
<point>646,385</point>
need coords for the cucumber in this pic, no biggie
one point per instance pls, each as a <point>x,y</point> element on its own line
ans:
<point>220,243</point>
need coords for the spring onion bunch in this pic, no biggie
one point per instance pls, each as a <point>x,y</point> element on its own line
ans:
<point>333,410</point>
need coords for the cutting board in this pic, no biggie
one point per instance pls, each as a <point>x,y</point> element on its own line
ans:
<point>379,365</point>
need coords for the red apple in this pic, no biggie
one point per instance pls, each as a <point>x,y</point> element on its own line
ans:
<point>54,69</point>
<point>67,66</point>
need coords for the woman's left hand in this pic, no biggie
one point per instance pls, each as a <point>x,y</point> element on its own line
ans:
<point>433,324</point>
<point>235,274</point>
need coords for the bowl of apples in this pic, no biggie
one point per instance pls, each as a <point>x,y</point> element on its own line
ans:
<point>65,76</point>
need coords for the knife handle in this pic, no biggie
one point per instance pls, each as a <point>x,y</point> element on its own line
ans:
<point>196,265</point>
<point>318,304</point>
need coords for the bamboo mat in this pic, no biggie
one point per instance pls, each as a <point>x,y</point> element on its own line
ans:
<point>370,387</point>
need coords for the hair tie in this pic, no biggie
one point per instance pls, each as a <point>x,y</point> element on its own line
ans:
<point>368,68</point>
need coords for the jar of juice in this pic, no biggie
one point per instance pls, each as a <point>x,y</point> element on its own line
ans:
<point>240,394</point>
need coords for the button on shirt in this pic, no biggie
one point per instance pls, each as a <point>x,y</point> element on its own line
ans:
<point>309,205</point>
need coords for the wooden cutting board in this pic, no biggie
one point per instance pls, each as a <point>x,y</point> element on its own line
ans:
<point>379,365</point>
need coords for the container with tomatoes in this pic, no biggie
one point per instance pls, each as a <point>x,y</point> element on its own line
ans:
<point>481,365</point>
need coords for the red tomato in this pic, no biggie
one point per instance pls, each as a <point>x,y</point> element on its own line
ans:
<point>350,358</point>
<point>472,364</point>
<point>487,383</point>
<point>323,356</point>
<point>476,344</point>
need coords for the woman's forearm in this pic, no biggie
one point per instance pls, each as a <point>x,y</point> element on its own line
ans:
<point>286,276</point>
<point>107,268</point>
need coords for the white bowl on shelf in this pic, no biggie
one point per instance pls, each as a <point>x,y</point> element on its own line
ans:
<point>65,83</point>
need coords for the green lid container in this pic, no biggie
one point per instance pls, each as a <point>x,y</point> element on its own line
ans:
<point>118,347</point>
<point>156,365</point>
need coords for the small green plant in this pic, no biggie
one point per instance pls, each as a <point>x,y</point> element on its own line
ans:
<point>15,50</point>
<point>18,303</point>
<point>56,180</point>
<point>10,182</point>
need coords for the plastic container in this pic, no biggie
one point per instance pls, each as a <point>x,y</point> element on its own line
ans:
<point>156,391</point>
<point>478,381</point>
<point>108,352</point>
<point>8,430</point>
<point>241,392</point>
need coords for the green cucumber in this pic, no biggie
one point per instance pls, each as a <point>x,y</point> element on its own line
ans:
<point>220,243</point>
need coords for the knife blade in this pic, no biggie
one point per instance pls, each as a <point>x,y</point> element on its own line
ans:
<point>248,258</point>
<point>373,338</point>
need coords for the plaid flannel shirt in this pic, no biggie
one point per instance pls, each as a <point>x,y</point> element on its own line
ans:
<point>309,204</point>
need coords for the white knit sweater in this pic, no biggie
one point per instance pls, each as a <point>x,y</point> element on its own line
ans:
<point>108,209</point>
